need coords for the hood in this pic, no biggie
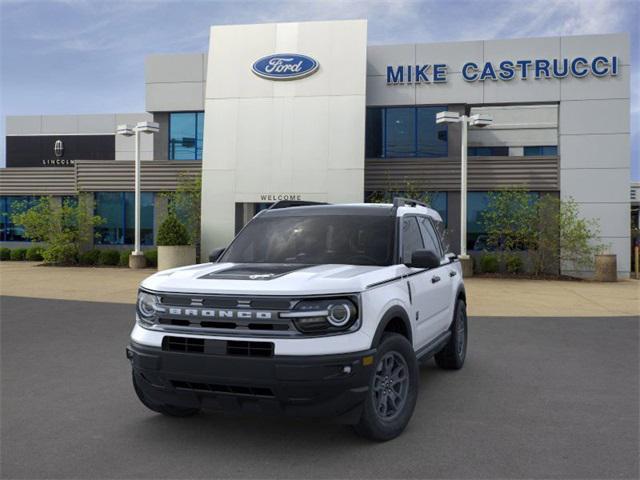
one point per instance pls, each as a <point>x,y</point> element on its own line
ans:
<point>268,279</point>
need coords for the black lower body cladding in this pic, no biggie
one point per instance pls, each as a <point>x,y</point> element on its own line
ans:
<point>317,386</point>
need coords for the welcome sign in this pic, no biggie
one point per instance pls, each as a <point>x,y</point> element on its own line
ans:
<point>506,70</point>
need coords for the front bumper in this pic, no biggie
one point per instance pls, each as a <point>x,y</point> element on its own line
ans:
<point>322,386</point>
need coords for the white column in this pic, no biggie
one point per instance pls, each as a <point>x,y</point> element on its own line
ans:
<point>136,250</point>
<point>463,190</point>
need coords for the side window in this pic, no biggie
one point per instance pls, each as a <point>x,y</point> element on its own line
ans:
<point>430,236</point>
<point>411,238</point>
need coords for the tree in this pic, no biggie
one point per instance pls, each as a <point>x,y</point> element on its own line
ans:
<point>172,232</point>
<point>563,237</point>
<point>509,220</point>
<point>63,227</point>
<point>184,203</point>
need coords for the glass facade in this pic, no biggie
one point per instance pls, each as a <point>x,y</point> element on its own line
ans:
<point>117,209</point>
<point>477,203</point>
<point>405,132</point>
<point>541,151</point>
<point>488,151</point>
<point>185,135</point>
<point>9,232</point>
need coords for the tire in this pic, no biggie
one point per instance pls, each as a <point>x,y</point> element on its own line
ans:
<point>169,410</point>
<point>452,356</point>
<point>385,415</point>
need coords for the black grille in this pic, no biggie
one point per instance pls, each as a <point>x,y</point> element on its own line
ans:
<point>250,349</point>
<point>228,389</point>
<point>217,347</point>
<point>183,344</point>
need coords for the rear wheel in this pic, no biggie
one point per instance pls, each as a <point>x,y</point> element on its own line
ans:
<point>452,356</point>
<point>169,410</point>
<point>393,390</point>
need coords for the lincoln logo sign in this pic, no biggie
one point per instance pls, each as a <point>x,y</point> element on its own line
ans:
<point>58,148</point>
<point>285,66</point>
<point>505,70</point>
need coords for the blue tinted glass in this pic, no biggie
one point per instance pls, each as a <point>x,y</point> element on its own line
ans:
<point>117,209</point>
<point>10,232</point>
<point>532,151</point>
<point>374,132</point>
<point>108,205</point>
<point>438,202</point>
<point>477,202</point>
<point>199,134</point>
<point>185,135</point>
<point>551,150</point>
<point>400,132</point>
<point>432,138</point>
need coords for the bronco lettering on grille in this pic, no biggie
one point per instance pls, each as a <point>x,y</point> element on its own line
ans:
<point>215,313</point>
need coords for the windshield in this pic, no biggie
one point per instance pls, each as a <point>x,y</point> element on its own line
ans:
<point>315,240</point>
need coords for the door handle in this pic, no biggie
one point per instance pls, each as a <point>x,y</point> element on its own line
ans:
<point>435,279</point>
<point>453,273</point>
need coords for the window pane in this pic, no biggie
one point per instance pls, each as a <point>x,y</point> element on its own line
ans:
<point>551,150</point>
<point>11,232</point>
<point>199,134</point>
<point>400,132</point>
<point>438,202</point>
<point>182,136</point>
<point>146,218</point>
<point>532,151</point>
<point>411,238</point>
<point>109,207</point>
<point>429,236</point>
<point>432,138</point>
<point>373,135</point>
<point>477,203</point>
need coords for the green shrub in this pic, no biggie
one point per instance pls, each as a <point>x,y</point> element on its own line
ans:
<point>5,253</point>
<point>34,254</point>
<point>61,254</point>
<point>90,257</point>
<point>18,254</point>
<point>109,257</point>
<point>124,258</point>
<point>172,232</point>
<point>514,264</point>
<point>152,258</point>
<point>489,263</point>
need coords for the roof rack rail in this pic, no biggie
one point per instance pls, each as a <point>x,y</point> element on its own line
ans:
<point>293,203</point>
<point>407,202</point>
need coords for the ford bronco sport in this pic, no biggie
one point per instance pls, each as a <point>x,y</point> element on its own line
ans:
<point>313,309</point>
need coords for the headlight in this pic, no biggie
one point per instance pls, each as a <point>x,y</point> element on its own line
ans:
<point>324,316</point>
<point>147,306</point>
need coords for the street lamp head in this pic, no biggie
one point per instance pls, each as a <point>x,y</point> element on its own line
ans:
<point>480,120</point>
<point>447,117</point>
<point>148,127</point>
<point>124,129</point>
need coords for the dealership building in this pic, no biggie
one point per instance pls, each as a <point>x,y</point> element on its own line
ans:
<point>309,111</point>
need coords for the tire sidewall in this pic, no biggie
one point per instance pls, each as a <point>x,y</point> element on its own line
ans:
<point>461,317</point>
<point>378,428</point>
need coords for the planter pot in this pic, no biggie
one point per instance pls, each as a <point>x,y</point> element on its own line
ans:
<point>606,268</point>
<point>176,256</point>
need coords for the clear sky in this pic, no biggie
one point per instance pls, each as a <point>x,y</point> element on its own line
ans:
<point>87,56</point>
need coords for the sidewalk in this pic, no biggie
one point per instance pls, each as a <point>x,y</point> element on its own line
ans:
<point>486,297</point>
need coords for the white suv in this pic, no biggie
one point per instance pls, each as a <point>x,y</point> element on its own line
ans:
<point>313,309</point>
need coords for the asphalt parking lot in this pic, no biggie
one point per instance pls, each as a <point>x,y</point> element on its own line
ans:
<point>538,397</point>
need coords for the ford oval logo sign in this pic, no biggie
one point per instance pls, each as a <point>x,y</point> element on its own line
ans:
<point>285,66</point>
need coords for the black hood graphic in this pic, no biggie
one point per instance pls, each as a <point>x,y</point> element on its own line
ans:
<point>255,271</point>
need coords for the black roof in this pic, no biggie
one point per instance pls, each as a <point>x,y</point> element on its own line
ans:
<point>371,209</point>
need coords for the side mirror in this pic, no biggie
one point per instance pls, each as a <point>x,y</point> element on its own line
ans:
<point>216,254</point>
<point>424,259</point>
<point>451,256</point>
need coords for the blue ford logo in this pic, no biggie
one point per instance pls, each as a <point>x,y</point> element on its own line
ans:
<point>284,66</point>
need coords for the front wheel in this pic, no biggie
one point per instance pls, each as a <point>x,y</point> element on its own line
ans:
<point>393,390</point>
<point>452,356</point>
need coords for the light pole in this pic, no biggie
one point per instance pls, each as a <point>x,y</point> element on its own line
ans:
<point>477,120</point>
<point>136,259</point>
